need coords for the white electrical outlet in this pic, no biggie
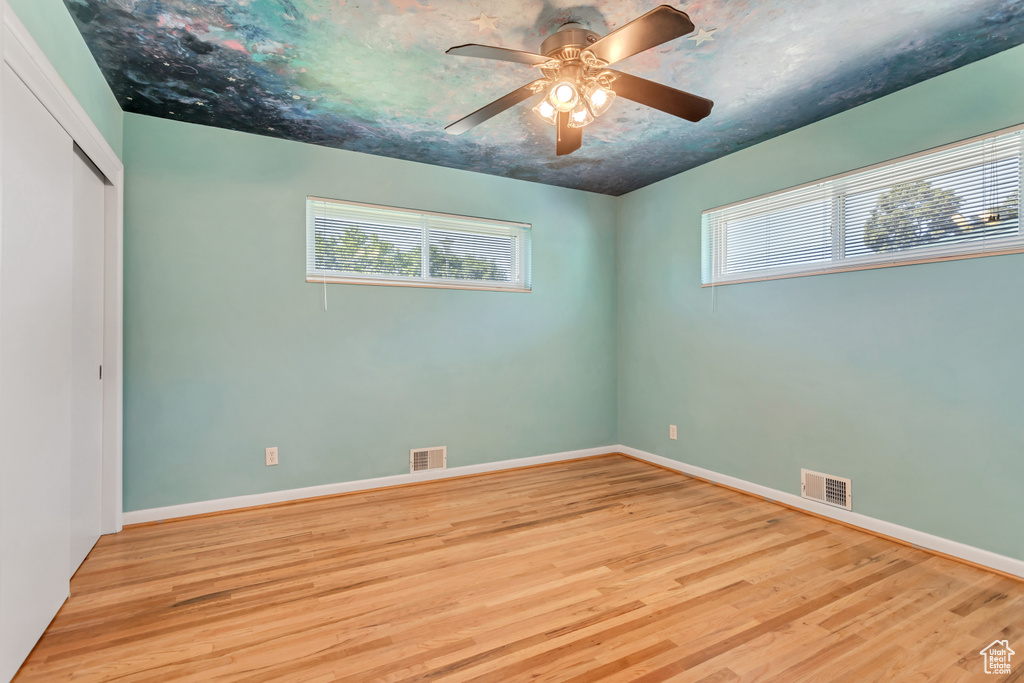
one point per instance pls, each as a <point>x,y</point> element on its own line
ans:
<point>271,456</point>
<point>672,432</point>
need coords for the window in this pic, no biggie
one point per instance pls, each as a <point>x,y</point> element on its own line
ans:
<point>957,201</point>
<point>365,244</point>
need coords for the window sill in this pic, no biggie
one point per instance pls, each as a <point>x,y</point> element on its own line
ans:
<point>871,266</point>
<point>411,283</point>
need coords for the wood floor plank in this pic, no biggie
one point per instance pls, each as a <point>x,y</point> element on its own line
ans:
<point>601,569</point>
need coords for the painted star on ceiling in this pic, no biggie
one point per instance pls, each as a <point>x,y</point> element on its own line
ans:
<point>485,23</point>
<point>703,37</point>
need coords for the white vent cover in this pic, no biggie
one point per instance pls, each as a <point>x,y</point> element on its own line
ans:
<point>827,489</point>
<point>428,459</point>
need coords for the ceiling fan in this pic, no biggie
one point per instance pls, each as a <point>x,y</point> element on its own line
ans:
<point>577,82</point>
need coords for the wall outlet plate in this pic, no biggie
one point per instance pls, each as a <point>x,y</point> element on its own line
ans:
<point>672,433</point>
<point>271,456</point>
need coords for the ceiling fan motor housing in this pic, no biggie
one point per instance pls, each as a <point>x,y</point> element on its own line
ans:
<point>569,35</point>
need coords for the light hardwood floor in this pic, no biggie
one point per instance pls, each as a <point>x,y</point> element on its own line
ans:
<point>605,569</point>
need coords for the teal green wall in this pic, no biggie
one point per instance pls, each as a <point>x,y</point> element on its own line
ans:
<point>54,30</point>
<point>228,350</point>
<point>907,380</point>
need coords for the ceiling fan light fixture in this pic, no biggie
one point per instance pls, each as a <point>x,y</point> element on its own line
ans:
<point>580,116</point>
<point>564,95</point>
<point>599,99</point>
<point>576,84</point>
<point>547,112</point>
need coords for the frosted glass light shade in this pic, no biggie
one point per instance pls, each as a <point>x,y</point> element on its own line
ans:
<point>580,116</point>
<point>564,95</point>
<point>546,112</point>
<point>600,99</point>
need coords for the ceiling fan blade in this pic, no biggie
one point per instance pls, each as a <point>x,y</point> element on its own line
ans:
<point>658,26</point>
<point>492,109</point>
<point>569,139</point>
<point>499,53</point>
<point>669,100</point>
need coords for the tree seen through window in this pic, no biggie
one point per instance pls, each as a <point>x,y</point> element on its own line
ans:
<point>356,250</point>
<point>919,213</point>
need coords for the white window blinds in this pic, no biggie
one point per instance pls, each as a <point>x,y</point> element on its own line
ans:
<point>361,243</point>
<point>957,201</point>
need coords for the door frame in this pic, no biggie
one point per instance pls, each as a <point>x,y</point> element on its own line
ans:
<point>27,60</point>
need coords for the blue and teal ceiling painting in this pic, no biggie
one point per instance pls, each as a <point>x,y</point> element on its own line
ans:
<point>371,75</point>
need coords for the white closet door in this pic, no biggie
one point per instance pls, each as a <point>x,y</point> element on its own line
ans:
<point>87,355</point>
<point>35,371</point>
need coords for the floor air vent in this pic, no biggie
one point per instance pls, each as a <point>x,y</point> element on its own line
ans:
<point>428,459</point>
<point>827,489</point>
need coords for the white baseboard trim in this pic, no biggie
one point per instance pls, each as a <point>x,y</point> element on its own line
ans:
<point>238,502</point>
<point>921,539</point>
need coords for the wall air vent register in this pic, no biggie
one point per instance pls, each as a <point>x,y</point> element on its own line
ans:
<point>824,488</point>
<point>421,459</point>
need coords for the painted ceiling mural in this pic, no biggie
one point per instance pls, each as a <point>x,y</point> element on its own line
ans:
<point>371,75</point>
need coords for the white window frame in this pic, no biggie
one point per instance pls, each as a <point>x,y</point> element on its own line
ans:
<point>521,233</point>
<point>835,189</point>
